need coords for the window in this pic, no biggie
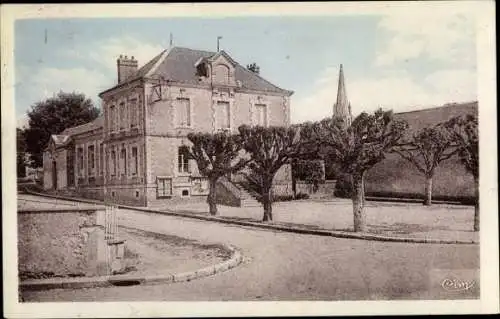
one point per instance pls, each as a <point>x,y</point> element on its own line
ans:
<point>221,74</point>
<point>91,160</point>
<point>156,93</point>
<point>111,118</point>
<point>123,114</point>
<point>164,187</point>
<point>134,114</point>
<point>101,159</point>
<point>183,112</point>
<point>70,159</point>
<point>183,159</point>
<point>123,162</point>
<point>223,115</point>
<point>79,155</point>
<point>260,115</point>
<point>113,163</point>
<point>201,70</point>
<point>134,162</point>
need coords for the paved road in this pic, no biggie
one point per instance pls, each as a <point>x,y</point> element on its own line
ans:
<point>285,266</point>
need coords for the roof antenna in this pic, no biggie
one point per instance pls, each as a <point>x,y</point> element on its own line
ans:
<point>218,38</point>
<point>171,40</point>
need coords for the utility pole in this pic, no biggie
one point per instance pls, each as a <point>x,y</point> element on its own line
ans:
<point>218,38</point>
<point>171,40</point>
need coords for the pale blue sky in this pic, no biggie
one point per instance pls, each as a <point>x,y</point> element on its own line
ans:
<point>393,62</point>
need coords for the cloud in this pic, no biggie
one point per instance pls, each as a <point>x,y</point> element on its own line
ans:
<point>105,52</point>
<point>96,70</point>
<point>395,90</point>
<point>437,36</point>
<point>48,81</point>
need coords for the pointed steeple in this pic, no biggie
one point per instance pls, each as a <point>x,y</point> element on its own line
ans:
<point>342,108</point>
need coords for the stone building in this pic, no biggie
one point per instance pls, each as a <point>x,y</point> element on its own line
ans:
<point>135,152</point>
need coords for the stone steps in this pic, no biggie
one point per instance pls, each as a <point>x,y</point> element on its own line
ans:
<point>247,200</point>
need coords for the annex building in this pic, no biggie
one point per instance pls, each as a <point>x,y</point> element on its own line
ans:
<point>135,151</point>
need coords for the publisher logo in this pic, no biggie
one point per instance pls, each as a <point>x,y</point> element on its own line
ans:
<point>453,283</point>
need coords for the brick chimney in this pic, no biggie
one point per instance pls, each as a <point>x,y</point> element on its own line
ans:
<point>126,67</point>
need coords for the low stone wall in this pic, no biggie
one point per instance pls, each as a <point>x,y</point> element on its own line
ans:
<point>325,189</point>
<point>62,242</point>
<point>282,189</point>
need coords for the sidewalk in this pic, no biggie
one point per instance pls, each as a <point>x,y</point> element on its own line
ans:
<point>402,220</point>
<point>440,224</point>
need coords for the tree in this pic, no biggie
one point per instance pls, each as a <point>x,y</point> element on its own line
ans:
<point>216,156</point>
<point>54,115</point>
<point>21,153</point>
<point>254,68</point>
<point>357,148</point>
<point>270,148</point>
<point>465,134</point>
<point>426,150</point>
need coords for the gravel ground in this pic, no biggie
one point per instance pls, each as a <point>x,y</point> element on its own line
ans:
<point>159,254</point>
<point>285,266</point>
<point>445,222</point>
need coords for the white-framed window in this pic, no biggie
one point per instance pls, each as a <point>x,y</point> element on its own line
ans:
<point>123,161</point>
<point>111,118</point>
<point>80,159</point>
<point>91,160</point>
<point>164,186</point>
<point>113,162</point>
<point>133,113</point>
<point>260,114</point>
<point>183,160</point>
<point>156,93</point>
<point>134,162</point>
<point>101,159</point>
<point>123,114</point>
<point>182,112</point>
<point>221,74</point>
<point>223,115</point>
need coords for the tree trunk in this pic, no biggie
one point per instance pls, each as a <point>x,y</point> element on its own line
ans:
<point>358,203</point>
<point>476,205</point>
<point>428,191</point>
<point>267,199</point>
<point>212,197</point>
<point>294,180</point>
<point>363,189</point>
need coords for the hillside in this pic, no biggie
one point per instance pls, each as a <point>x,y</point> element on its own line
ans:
<point>395,175</point>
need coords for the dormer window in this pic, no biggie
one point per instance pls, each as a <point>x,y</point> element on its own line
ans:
<point>221,75</point>
<point>202,70</point>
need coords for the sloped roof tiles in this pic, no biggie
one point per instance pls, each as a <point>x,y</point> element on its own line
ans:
<point>179,66</point>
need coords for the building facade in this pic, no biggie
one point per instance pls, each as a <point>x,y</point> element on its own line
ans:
<point>135,152</point>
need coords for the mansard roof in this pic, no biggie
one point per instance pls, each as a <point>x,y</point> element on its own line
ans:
<point>179,65</point>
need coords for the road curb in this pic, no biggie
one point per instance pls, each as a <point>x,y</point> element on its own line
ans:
<point>298,230</point>
<point>124,280</point>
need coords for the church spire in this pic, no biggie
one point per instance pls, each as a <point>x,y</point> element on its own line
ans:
<point>342,108</point>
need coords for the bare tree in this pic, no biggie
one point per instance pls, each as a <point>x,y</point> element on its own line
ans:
<point>216,155</point>
<point>466,136</point>
<point>269,148</point>
<point>426,150</point>
<point>357,148</point>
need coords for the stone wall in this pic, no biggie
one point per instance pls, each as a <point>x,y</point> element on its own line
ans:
<point>325,189</point>
<point>63,242</point>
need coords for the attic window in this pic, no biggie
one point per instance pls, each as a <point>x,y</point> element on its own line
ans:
<point>201,70</point>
